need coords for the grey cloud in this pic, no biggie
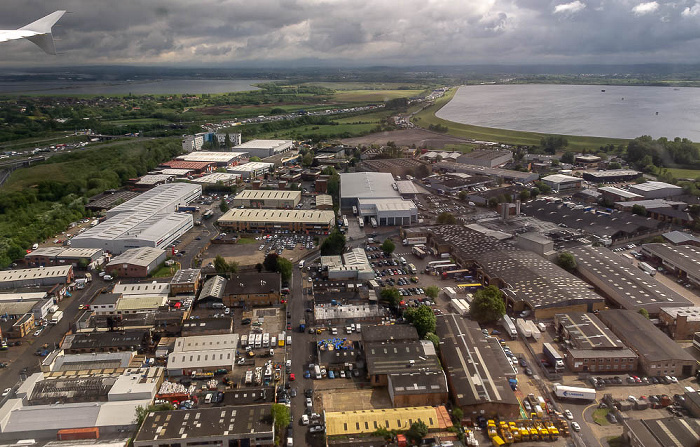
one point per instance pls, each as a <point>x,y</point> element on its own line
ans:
<point>360,31</point>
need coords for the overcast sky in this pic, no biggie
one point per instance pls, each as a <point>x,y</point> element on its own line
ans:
<point>359,32</point>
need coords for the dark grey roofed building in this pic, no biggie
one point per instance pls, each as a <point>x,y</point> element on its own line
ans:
<point>476,380</point>
<point>239,425</point>
<point>528,280</point>
<point>658,354</point>
<point>624,284</point>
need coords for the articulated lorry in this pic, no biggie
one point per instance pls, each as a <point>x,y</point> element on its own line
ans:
<point>574,393</point>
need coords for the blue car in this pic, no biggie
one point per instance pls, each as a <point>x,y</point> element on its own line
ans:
<point>307,374</point>
<point>331,375</point>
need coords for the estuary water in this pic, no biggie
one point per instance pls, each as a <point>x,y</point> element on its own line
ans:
<point>141,87</point>
<point>584,110</point>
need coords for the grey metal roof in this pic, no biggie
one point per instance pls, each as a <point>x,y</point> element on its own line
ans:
<point>624,283</point>
<point>643,337</point>
<point>470,363</point>
<point>528,276</point>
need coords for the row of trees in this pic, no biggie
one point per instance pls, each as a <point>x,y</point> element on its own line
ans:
<point>41,201</point>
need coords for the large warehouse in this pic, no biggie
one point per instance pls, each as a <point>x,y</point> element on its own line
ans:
<point>265,198</point>
<point>624,284</point>
<point>41,276</point>
<point>658,354</point>
<point>376,195</point>
<point>487,158</point>
<point>260,221</point>
<point>476,378</point>
<point>612,175</point>
<point>161,199</point>
<point>265,148</point>
<point>136,262</point>
<point>251,170</point>
<point>222,159</point>
<point>148,220</point>
<point>656,190</point>
<point>561,182</point>
<point>683,260</point>
<point>528,281</point>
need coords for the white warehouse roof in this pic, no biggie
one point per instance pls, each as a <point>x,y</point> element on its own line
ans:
<point>369,185</point>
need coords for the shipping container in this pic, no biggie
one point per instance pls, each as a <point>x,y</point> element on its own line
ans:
<point>74,434</point>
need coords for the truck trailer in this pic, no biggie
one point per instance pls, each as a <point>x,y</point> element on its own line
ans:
<point>572,392</point>
<point>553,356</point>
<point>509,327</point>
<point>523,328</point>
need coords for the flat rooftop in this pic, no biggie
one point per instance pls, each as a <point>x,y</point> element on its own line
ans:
<point>250,166</point>
<point>618,223</point>
<point>643,337</point>
<point>389,332</point>
<point>216,157</point>
<point>387,358</point>
<point>180,425</point>
<point>654,186</point>
<point>691,312</point>
<point>342,423</point>
<point>612,173</point>
<point>620,192</point>
<point>186,276</point>
<point>367,185</point>
<point>484,155</point>
<point>586,331</point>
<point>216,177</point>
<point>561,178</point>
<point>628,286</point>
<point>263,144</point>
<point>491,172</point>
<point>249,284</point>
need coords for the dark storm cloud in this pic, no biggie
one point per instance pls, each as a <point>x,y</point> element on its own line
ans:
<point>360,31</point>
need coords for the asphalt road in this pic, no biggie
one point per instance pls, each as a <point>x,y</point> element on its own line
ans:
<point>51,336</point>
<point>301,352</point>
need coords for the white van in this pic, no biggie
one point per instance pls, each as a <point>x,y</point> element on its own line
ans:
<point>35,246</point>
<point>289,339</point>
<point>290,442</point>
<point>301,264</point>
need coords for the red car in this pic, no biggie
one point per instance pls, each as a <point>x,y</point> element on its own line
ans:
<point>291,377</point>
<point>289,327</point>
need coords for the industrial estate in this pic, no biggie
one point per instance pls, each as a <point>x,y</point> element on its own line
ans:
<point>272,292</point>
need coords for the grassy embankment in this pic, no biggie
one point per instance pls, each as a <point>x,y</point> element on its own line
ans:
<point>426,117</point>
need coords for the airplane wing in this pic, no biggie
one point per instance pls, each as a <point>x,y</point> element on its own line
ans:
<point>38,32</point>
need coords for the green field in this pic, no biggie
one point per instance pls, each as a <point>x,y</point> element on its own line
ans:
<point>366,85</point>
<point>134,121</point>
<point>246,240</point>
<point>373,95</point>
<point>426,117</point>
<point>352,125</point>
<point>165,271</point>
<point>684,173</point>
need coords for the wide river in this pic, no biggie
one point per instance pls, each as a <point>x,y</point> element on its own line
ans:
<point>618,112</point>
<point>145,87</point>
